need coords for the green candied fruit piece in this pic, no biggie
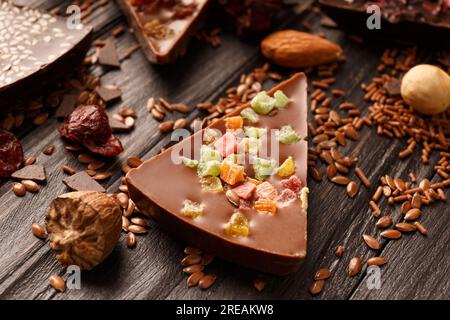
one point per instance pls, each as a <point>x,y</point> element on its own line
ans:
<point>281,100</point>
<point>250,114</point>
<point>255,132</point>
<point>304,197</point>
<point>263,168</point>
<point>262,103</point>
<point>211,184</point>
<point>209,154</point>
<point>287,135</point>
<point>191,163</point>
<point>209,168</point>
<point>254,145</point>
<point>192,209</point>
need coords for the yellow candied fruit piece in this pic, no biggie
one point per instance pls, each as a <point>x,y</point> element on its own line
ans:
<point>234,122</point>
<point>287,168</point>
<point>231,173</point>
<point>254,181</point>
<point>238,225</point>
<point>266,206</point>
<point>192,209</point>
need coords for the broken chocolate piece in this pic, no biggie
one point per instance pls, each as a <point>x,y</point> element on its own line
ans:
<point>37,51</point>
<point>35,172</point>
<point>274,242</point>
<point>81,181</point>
<point>66,107</point>
<point>108,55</point>
<point>164,28</point>
<point>118,126</point>
<point>108,94</point>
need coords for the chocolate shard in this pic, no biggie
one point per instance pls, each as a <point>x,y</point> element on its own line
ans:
<point>109,94</point>
<point>392,87</point>
<point>118,126</point>
<point>108,55</point>
<point>66,107</point>
<point>273,243</point>
<point>46,52</point>
<point>81,181</point>
<point>164,28</point>
<point>35,172</point>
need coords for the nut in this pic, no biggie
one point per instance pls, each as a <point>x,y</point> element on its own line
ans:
<point>83,227</point>
<point>426,88</point>
<point>295,49</point>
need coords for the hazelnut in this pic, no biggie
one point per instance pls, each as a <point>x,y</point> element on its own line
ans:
<point>426,88</point>
<point>83,227</point>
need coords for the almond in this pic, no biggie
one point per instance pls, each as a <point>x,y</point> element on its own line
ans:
<point>295,49</point>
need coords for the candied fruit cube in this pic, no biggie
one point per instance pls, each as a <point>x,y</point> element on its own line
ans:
<point>293,183</point>
<point>192,209</point>
<point>250,115</point>
<point>191,163</point>
<point>263,168</point>
<point>233,123</point>
<point>266,190</point>
<point>209,168</point>
<point>245,190</point>
<point>238,225</point>
<point>304,197</point>
<point>287,168</point>
<point>210,135</point>
<point>231,173</point>
<point>255,132</point>
<point>266,206</point>
<point>211,184</point>
<point>281,100</point>
<point>286,197</point>
<point>263,103</point>
<point>226,145</point>
<point>208,153</point>
<point>287,135</point>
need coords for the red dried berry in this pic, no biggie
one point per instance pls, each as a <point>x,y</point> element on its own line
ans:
<point>293,183</point>
<point>11,154</point>
<point>89,126</point>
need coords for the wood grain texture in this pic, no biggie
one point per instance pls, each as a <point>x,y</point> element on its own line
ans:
<point>417,266</point>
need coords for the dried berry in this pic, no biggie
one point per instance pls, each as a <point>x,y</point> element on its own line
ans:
<point>11,154</point>
<point>83,227</point>
<point>89,125</point>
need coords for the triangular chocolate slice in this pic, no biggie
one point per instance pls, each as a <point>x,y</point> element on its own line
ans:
<point>35,172</point>
<point>81,181</point>
<point>270,235</point>
<point>164,28</point>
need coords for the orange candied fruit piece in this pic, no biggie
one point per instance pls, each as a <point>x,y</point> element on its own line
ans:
<point>266,190</point>
<point>238,225</point>
<point>231,173</point>
<point>266,206</point>
<point>234,122</point>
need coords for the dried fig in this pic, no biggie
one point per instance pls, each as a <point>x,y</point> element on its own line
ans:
<point>83,227</point>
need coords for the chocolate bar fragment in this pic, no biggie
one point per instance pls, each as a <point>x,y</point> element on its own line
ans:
<point>164,28</point>
<point>36,50</point>
<point>264,228</point>
<point>410,21</point>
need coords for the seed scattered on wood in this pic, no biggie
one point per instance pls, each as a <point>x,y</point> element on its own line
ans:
<point>123,199</point>
<point>137,229</point>
<point>376,261</point>
<point>194,278</point>
<point>131,240</point>
<point>339,251</point>
<point>340,180</point>
<point>193,268</point>
<point>139,221</point>
<point>48,150</point>
<point>38,230</point>
<point>207,281</point>
<point>134,162</point>
<point>322,274</point>
<point>377,195</point>
<point>190,260</point>
<point>316,287</point>
<point>69,170</point>
<point>371,242</point>
<point>85,158</point>
<point>354,267</point>
<point>406,206</point>
<point>167,126</point>
<point>352,189</point>
<point>375,209</point>
<point>180,123</point>
<point>391,234</point>
<point>420,228</point>
<point>413,214</point>
<point>30,185</point>
<point>315,174</point>
<point>19,189</point>
<point>123,188</point>
<point>259,284</point>
<point>405,227</point>
<point>57,283</point>
<point>192,250</point>
<point>30,160</point>
<point>125,223</point>
<point>102,176</point>
<point>384,222</point>
<point>95,165</point>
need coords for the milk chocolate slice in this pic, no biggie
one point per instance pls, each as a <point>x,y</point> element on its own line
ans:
<point>164,29</point>
<point>276,243</point>
<point>37,50</point>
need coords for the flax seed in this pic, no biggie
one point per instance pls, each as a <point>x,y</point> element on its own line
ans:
<point>420,227</point>
<point>316,287</point>
<point>194,278</point>
<point>371,242</point>
<point>362,177</point>
<point>125,223</point>
<point>384,222</point>
<point>406,206</point>
<point>69,170</point>
<point>354,267</point>
<point>416,201</point>
<point>315,174</point>
<point>207,281</point>
<point>322,274</point>
<point>38,231</point>
<point>375,209</point>
<point>377,195</point>
<point>192,250</point>
<point>30,185</point>
<point>352,189</point>
<point>57,283</point>
<point>376,261</point>
<point>413,214</point>
<point>19,189</point>
<point>339,251</point>
<point>405,227</point>
<point>340,180</point>
<point>137,229</point>
<point>391,234</point>
<point>193,268</point>
<point>191,260</point>
<point>131,240</point>
<point>48,150</point>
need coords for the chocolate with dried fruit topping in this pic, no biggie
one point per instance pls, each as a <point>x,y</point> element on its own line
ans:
<point>164,30</point>
<point>38,50</point>
<point>273,242</point>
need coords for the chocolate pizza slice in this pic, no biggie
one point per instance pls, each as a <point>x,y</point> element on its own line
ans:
<point>237,189</point>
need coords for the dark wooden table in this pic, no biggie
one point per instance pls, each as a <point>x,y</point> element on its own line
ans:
<point>418,266</point>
